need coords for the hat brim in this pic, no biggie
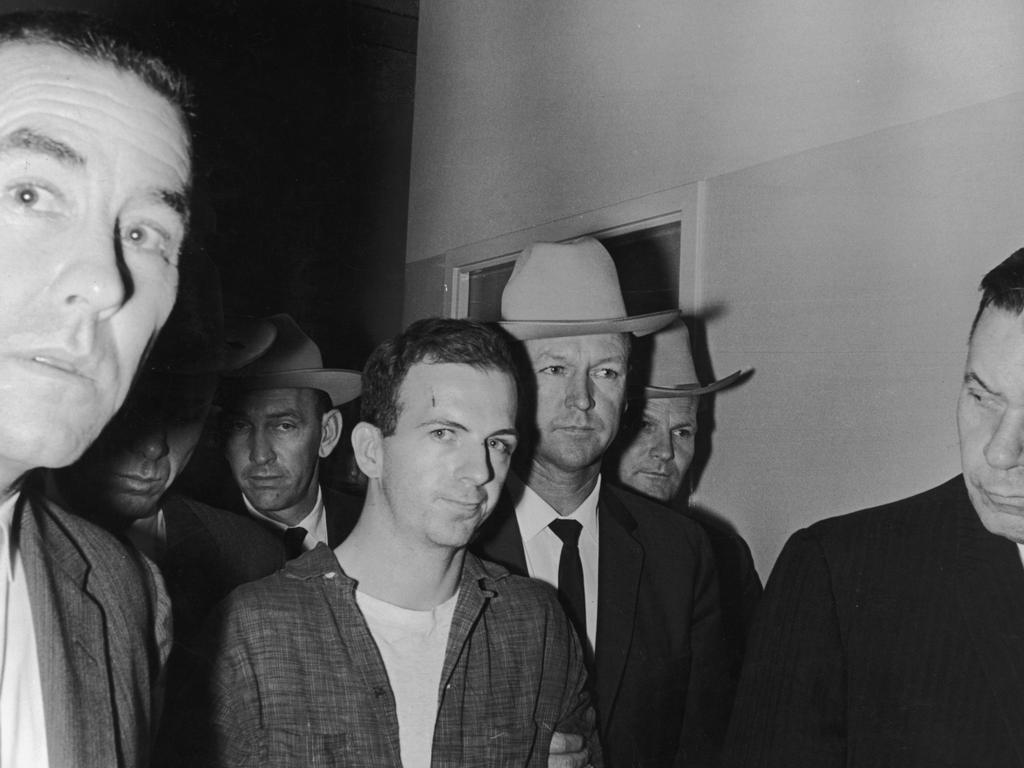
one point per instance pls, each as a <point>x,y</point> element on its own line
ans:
<point>689,390</point>
<point>638,325</point>
<point>339,384</point>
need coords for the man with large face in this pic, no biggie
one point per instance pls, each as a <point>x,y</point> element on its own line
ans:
<point>893,636</point>
<point>636,579</point>
<point>94,175</point>
<point>398,647</point>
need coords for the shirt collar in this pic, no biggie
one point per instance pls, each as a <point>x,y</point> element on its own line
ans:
<point>7,510</point>
<point>309,522</point>
<point>534,514</point>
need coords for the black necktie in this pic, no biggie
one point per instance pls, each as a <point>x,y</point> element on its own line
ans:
<point>293,539</point>
<point>570,575</point>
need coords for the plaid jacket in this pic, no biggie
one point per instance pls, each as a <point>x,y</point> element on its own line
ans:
<point>298,681</point>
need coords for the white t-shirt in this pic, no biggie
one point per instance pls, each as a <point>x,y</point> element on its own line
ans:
<point>412,644</point>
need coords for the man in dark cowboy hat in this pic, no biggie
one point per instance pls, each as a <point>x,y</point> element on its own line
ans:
<point>653,451</point>
<point>637,580</point>
<point>280,419</point>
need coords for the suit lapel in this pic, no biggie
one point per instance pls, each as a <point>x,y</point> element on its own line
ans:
<point>990,592</point>
<point>500,540</point>
<point>620,563</point>
<point>70,642</point>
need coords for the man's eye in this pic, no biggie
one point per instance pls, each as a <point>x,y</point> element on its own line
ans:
<point>34,197</point>
<point>606,373</point>
<point>442,433</point>
<point>553,370</point>
<point>500,446</point>
<point>684,433</point>
<point>284,426</point>
<point>148,238</point>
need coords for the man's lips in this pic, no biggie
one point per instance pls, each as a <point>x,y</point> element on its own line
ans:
<point>139,483</point>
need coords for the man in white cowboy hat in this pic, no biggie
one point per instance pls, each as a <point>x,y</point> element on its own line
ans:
<point>655,447</point>
<point>281,418</point>
<point>638,581</point>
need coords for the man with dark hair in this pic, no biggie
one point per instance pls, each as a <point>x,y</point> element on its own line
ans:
<point>400,647</point>
<point>637,580</point>
<point>95,170</point>
<point>124,482</point>
<point>280,419</point>
<point>894,635</point>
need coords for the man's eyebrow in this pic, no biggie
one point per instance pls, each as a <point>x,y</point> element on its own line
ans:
<point>27,139</point>
<point>443,423</point>
<point>510,431</point>
<point>176,200</point>
<point>972,378</point>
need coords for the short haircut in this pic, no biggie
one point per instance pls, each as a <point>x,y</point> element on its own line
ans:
<point>433,340</point>
<point>99,40</point>
<point>1003,288</point>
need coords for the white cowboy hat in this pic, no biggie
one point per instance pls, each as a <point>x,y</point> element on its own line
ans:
<point>570,289</point>
<point>671,372</point>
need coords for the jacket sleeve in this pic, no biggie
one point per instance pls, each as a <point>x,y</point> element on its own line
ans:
<point>577,707</point>
<point>789,708</point>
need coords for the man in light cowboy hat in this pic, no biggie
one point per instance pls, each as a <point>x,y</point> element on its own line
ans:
<point>653,451</point>
<point>124,480</point>
<point>280,419</point>
<point>637,580</point>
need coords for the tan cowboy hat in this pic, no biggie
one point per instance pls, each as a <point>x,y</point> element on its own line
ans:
<point>671,372</point>
<point>294,360</point>
<point>570,289</point>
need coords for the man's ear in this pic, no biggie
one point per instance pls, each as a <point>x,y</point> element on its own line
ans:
<point>366,447</point>
<point>330,432</point>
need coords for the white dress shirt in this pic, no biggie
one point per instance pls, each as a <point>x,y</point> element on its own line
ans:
<point>149,535</point>
<point>22,719</point>
<point>543,548</point>
<point>315,522</point>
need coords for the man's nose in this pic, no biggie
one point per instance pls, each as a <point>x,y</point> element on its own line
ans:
<point>578,391</point>
<point>151,445</point>
<point>661,445</point>
<point>92,275</point>
<point>475,466</point>
<point>261,449</point>
<point>1005,449</point>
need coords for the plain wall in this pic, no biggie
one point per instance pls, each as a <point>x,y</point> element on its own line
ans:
<point>846,173</point>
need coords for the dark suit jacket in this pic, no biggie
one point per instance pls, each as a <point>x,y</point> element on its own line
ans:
<point>661,676</point>
<point>102,623</point>
<point>209,552</point>
<point>341,510</point>
<point>890,637</point>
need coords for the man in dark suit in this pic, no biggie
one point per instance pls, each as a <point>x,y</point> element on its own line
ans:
<point>281,418</point>
<point>637,580</point>
<point>894,636</point>
<point>95,169</point>
<point>651,456</point>
<point>124,480</point>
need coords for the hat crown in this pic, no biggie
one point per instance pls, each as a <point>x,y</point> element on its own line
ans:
<point>671,362</point>
<point>291,350</point>
<point>563,281</point>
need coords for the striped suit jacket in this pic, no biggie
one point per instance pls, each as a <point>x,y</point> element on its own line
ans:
<point>888,637</point>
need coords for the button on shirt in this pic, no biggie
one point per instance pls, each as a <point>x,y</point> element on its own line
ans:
<point>543,548</point>
<point>22,721</point>
<point>315,522</point>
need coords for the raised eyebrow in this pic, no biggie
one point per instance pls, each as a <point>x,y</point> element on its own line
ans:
<point>436,423</point>
<point>33,141</point>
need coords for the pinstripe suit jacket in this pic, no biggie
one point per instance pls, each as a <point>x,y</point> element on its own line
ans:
<point>296,678</point>
<point>102,623</point>
<point>889,637</point>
